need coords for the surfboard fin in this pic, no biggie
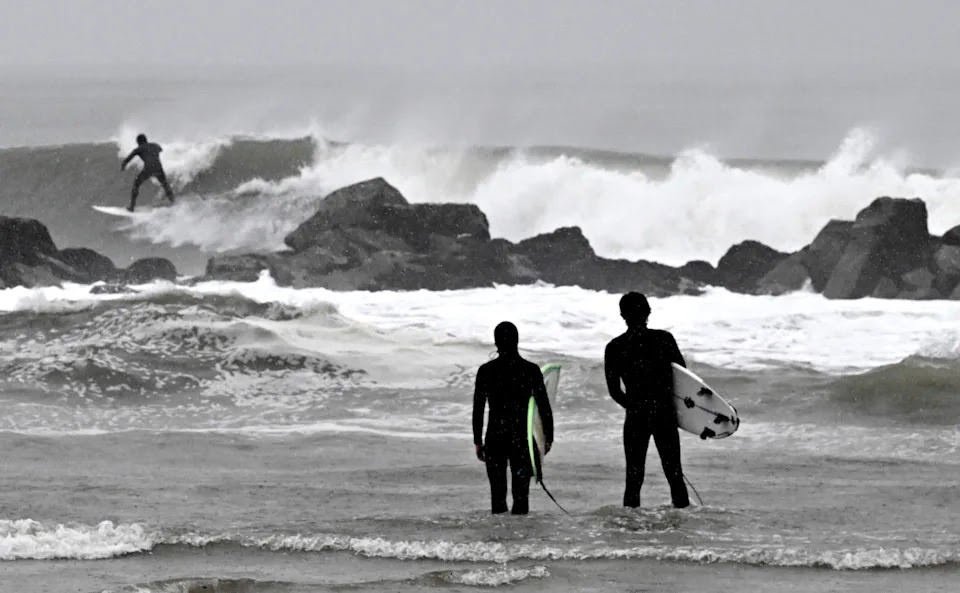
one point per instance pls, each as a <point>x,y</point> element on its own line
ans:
<point>707,433</point>
<point>720,419</point>
<point>688,401</point>
<point>705,391</point>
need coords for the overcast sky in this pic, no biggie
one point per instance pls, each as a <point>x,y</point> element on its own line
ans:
<point>701,36</point>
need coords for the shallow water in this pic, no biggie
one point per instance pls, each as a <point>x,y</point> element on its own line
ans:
<point>242,437</point>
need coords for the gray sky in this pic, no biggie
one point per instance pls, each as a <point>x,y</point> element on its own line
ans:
<point>698,36</point>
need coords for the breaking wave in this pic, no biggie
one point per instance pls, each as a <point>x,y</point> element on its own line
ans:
<point>27,539</point>
<point>248,193</point>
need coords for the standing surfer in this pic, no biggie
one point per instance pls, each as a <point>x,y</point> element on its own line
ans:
<point>507,382</point>
<point>149,153</point>
<point>641,357</point>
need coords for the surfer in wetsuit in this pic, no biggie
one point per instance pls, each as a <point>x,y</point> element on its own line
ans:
<point>641,357</point>
<point>149,153</point>
<point>507,382</point>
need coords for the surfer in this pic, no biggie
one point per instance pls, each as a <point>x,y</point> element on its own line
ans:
<point>507,382</point>
<point>149,153</point>
<point>641,357</point>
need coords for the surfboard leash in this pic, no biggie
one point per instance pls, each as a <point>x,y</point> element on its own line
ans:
<point>544,486</point>
<point>687,480</point>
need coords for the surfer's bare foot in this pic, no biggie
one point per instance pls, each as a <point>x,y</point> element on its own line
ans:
<point>129,208</point>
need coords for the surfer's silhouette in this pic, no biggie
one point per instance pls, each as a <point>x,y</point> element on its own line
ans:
<point>641,357</point>
<point>506,383</point>
<point>149,153</point>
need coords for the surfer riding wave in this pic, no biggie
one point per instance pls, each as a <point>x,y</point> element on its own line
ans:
<point>149,153</point>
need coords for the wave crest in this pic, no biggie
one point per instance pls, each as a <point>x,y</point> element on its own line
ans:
<point>915,390</point>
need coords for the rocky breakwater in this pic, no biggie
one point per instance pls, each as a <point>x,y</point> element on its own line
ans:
<point>887,251</point>
<point>30,258</point>
<point>367,236</point>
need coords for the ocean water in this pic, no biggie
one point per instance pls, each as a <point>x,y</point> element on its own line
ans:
<point>242,437</point>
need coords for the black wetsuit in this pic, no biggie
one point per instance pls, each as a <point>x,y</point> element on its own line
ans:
<point>507,382</point>
<point>149,153</point>
<point>642,357</point>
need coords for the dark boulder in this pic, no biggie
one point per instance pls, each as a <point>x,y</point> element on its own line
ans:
<point>29,257</point>
<point>888,238</point>
<point>790,275</point>
<point>557,249</point>
<point>564,257</point>
<point>147,270</point>
<point>744,264</point>
<point>952,237</point>
<point>821,256</point>
<point>918,285</point>
<point>946,265</point>
<point>247,268</point>
<point>91,265</point>
<point>375,205</point>
<point>885,289</point>
<point>24,240</point>
<point>620,276</point>
<point>21,274</point>
<point>700,272</point>
<point>351,206</point>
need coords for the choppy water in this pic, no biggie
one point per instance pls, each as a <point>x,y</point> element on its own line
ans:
<point>244,437</point>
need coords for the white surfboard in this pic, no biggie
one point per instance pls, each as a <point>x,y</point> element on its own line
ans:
<point>700,409</point>
<point>536,440</point>
<point>114,211</point>
<point>123,212</point>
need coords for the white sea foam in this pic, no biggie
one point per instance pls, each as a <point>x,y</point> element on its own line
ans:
<point>497,576</point>
<point>794,556</point>
<point>387,333</point>
<point>23,539</point>
<point>697,211</point>
<point>27,539</point>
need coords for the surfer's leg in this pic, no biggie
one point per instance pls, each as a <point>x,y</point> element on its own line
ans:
<point>141,178</point>
<point>668,444</point>
<point>162,178</point>
<point>497,474</point>
<point>520,485</point>
<point>636,437</point>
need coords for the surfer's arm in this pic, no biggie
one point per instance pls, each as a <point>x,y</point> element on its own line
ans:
<point>675,355</point>
<point>611,368</point>
<point>479,403</point>
<point>135,152</point>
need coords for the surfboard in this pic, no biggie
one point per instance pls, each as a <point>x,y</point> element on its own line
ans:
<point>700,409</point>
<point>124,213</point>
<point>536,440</point>
<point>121,212</point>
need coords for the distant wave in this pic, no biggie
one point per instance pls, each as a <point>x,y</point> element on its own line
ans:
<point>243,193</point>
